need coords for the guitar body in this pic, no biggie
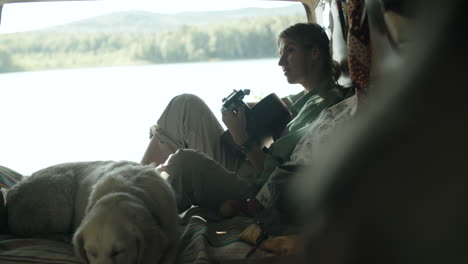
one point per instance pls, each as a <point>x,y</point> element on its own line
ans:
<point>266,121</point>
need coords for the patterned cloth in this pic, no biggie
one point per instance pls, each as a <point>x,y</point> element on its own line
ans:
<point>30,250</point>
<point>359,56</point>
<point>320,131</point>
<point>206,238</point>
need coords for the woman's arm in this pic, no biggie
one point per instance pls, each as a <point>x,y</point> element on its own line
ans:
<point>256,156</point>
<point>237,126</point>
<point>287,101</point>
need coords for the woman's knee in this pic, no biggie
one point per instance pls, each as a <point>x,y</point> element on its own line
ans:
<point>193,165</point>
<point>185,157</point>
<point>182,171</point>
<point>182,108</point>
<point>187,99</point>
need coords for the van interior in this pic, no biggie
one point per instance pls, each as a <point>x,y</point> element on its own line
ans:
<point>390,187</point>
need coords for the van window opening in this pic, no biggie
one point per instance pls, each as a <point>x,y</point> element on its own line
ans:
<point>81,107</point>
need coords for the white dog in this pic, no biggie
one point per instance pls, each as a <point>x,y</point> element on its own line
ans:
<point>119,212</point>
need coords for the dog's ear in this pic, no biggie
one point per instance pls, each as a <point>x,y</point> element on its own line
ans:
<point>78,245</point>
<point>140,246</point>
<point>160,241</point>
<point>152,244</point>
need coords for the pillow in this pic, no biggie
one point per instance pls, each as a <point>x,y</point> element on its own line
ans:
<point>320,130</point>
<point>309,145</point>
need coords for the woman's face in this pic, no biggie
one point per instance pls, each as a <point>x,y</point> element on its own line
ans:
<point>295,61</point>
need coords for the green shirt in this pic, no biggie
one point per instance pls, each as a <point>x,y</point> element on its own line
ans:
<point>304,111</point>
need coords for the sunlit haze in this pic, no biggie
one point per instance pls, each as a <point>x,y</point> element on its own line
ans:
<point>30,16</point>
<point>59,113</point>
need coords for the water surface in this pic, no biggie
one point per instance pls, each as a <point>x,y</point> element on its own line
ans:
<point>50,117</point>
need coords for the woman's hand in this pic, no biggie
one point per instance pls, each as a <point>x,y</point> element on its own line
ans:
<point>236,123</point>
<point>237,126</point>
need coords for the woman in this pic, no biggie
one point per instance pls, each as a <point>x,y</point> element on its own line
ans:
<point>206,172</point>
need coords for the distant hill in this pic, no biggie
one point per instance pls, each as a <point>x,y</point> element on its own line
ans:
<point>141,21</point>
<point>135,38</point>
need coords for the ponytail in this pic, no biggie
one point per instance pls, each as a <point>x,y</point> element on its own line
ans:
<point>335,70</point>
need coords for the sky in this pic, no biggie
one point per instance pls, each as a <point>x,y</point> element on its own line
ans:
<point>29,16</point>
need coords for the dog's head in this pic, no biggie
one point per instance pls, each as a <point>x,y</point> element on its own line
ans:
<point>119,229</point>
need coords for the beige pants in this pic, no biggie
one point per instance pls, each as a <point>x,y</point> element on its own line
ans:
<point>202,169</point>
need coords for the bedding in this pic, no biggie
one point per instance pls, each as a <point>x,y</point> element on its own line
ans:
<point>205,238</point>
<point>31,250</point>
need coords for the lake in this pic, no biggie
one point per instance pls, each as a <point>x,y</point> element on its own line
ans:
<point>56,116</point>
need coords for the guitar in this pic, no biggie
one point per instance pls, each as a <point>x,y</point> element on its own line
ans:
<point>266,120</point>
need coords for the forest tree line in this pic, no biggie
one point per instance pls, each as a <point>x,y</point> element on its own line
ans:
<point>244,39</point>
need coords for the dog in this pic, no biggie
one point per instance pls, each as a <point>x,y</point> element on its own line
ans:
<point>118,212</point>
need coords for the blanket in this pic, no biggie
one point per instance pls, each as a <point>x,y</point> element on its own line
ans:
<point>33,250</point>
<point>209,238</point>
<point>205,238</point>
